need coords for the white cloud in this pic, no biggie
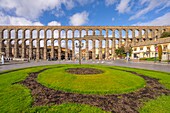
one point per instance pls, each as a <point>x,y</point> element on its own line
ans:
<point>54,23</point>
<point>20,21</point>
<point>109,2</point>
<point>79,18</point>
<point>163,20</point>
<point>31,9</point>
<point>11,20</point>
<point>123,6</point>
<point>151,5</point>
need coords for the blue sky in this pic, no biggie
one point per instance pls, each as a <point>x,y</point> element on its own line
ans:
<point>84,12</point>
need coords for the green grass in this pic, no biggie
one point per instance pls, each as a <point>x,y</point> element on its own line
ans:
<point>160,105</point>
<point>110,82</point>
<point>164,78</point>
<point>66,108</point>
<point>15,98</point>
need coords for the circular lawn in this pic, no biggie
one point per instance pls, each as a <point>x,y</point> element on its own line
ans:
<point>108,81</point>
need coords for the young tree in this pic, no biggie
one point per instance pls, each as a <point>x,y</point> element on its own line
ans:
<point>160,52</point>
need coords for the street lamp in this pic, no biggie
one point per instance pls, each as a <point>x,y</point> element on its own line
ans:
<point>155,52</point>
<point>79,46</point>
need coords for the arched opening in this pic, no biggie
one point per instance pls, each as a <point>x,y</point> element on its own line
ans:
<point>56,34</point>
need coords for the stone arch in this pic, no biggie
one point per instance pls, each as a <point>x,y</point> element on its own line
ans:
<point>19,48</point>
<point>97,32</point>
<point>130,33</point>
<point>70,42</point>
<point>41,49</point>
<point>27,34</point>
<point>83,33</point>
<point>49,33</point>
<point>90,32</point>
<point>137,33</point>
<point>63,34</point>
<point>110,33</point>
<point>12,34</point>
<point>34,34</point>
<point>104,33</point>
<point>143,33</point>
<point>90,48</point>
<point>56,33</point>
<point>48,48</point>
<point>103,49</point>
<point>56,49</point>
<point>63,49</point>
<point>150,33</point>
<point>76,34</point>
<point>97,49</point>
<point>5,34</point>
<point>83,49</point>
<point>117,33</point>
<point>20,34</point>
<point>34,46</point>
<point>69,34</point>
<point>42,33</point>
<point>26,43</point>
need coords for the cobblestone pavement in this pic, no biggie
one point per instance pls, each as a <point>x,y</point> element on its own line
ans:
<point>144,65</point>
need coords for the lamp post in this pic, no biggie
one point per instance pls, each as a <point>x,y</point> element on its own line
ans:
<point>155,52</point>
<point>79,46</point>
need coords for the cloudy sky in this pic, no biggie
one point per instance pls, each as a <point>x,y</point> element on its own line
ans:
<point>84,12</point>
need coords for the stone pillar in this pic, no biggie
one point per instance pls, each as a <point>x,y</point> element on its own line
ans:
<point>87,50</point>
<point>153,34</point>
<point>93,50</point>
<point>146,35</point>
<point>127,38</point>
<point>38,48</point>
<point>45,45</point>
<point>120,37</point>
<point>100,50</point>
<point>52,48</point>
<point>133,36</point>
<point>159,32</point>
<point>1,37</point>
<point>113,44</point>
<point>59,49</point>
<point>66,51</point>
<point>8,44</point>
<point>73,47</point>
<point>140,35</point>
<point>107,45</point>
<point>30,48</point>
<point>23,45</point>
<point>80,43</point>
<point>16,45</point>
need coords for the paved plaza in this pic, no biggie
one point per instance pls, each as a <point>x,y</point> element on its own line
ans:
<point>143,65</point>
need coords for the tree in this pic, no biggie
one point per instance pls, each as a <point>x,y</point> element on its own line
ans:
<point>122,51</point>
<point>165,34</point>
<point>160,52</point>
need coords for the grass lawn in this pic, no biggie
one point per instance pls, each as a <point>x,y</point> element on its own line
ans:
<point>109,82</point>
<point>160,105</point>
<point>16,98</point>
